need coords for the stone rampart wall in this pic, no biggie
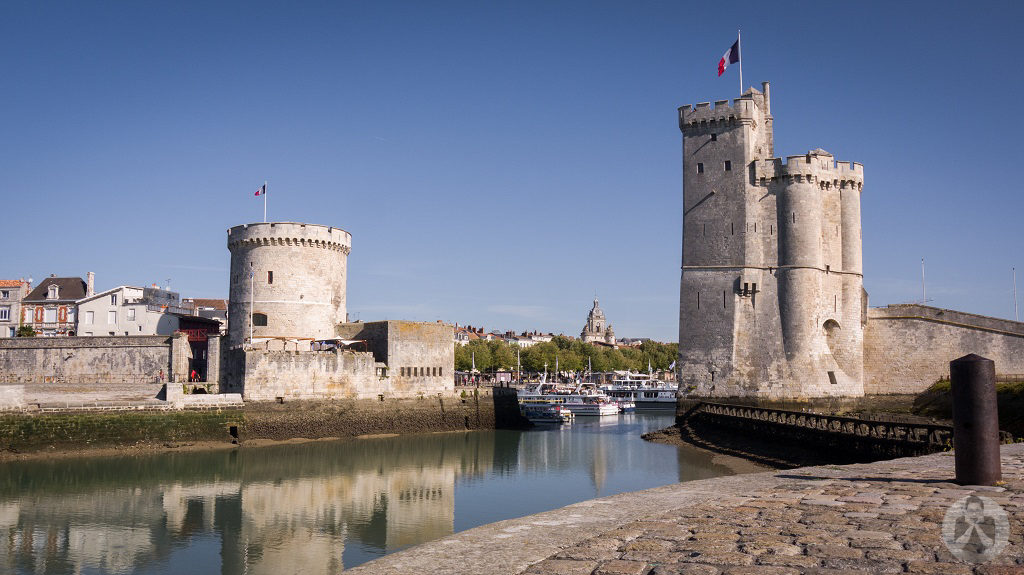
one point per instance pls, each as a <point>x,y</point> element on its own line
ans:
<point>12,397</point>
<point>292,375</point>
<point>94,360</point>
<point>908,347</point>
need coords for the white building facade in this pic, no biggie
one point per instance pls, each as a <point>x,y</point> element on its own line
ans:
<point>128,310</point>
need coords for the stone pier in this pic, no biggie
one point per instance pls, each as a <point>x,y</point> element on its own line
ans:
<point>882,517</point>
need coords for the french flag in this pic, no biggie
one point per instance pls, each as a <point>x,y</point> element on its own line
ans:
<point>262,190</point>
<point>730,57</point>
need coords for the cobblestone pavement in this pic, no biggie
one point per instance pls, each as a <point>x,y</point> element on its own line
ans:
<point>883,517</point>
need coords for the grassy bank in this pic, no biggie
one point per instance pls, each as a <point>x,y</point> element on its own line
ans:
<point>937,402</point>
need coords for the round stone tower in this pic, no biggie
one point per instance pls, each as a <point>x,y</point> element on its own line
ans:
<point>288,279</point>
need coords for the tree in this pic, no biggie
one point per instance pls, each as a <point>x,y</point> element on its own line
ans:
<point>462,358</point>
<point>26,331</point>
<point>502,355</point>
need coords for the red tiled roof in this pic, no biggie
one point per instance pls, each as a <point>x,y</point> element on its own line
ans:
<point>11,283</point>
<point>221,304</point>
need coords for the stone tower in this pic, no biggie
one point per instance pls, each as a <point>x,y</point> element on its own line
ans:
<point>771,296</point>
<point>597,327</point>
<point>298,272</point>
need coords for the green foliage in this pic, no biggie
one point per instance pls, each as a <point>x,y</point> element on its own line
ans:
<point>26,331</point>
<point>571,354</point>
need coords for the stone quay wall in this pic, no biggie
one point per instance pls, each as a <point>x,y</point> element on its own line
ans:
<point>908,347</point>
<point>882,517</point>
<point>482,408</point>
<point>94,360</point>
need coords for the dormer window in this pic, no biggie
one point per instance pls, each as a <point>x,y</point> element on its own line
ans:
<point>113,299</point>
<point>52,292</point>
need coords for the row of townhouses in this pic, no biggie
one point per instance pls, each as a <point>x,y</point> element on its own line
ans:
<point>68,306</point>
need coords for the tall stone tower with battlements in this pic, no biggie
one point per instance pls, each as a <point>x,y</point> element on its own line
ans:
<point>290,278</point>
<point>772,302</point>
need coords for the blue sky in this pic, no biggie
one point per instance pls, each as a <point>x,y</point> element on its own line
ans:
<point>496,163</point>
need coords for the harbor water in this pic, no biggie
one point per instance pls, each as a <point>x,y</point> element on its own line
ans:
<point>315,507</point>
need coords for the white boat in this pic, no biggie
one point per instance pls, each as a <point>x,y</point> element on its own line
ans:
<point>645,391</point>
<point>543,412</point>
<point>581,398</point>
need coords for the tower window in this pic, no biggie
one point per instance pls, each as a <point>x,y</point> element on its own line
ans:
<point>270,277</point>
<point>728,165</point>
<point>698,300</point>
<point>714,137</point>
<point>259,319</point>
<point>700,168</point>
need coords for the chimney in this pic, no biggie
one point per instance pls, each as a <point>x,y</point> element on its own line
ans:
<point>767,99</point>
<point>90,284</point>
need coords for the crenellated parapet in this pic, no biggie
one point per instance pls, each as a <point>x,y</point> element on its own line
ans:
<point>747,109</point>
<point>815,167</point>
<point>290,234</point>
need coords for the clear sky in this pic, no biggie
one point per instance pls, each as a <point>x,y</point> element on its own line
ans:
<point>496,163</point>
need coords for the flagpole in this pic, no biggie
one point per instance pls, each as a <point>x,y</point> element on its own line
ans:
<point>1016,316</point>
<point>265,182</point>
<point>739,46</point>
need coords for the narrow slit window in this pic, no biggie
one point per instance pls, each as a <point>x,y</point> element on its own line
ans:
<point>698,300</point>
<point>732,229</point>
<point>723,299</point>
<point>270,277</point>
<point>728,166</point>
<point>700,168</point>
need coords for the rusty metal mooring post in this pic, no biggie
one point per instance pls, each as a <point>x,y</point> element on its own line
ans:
<point>975,420</point>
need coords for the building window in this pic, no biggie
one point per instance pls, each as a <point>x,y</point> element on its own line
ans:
<point>52,292</point>
<point>700,168</point>
<point>270,277</point>
<point>5,313</point>
<point>259,319</point>
<point>728,165</point>
<point>131,314</point>
<point>4,294</point>
<point>50,315</point>
<point>89,316</point>
<point>113,299</point>
<point>12,332</point>
<point>111,318</point>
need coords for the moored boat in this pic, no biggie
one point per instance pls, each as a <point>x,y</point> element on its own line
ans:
<point>581,398</point>
<point>645,391</point>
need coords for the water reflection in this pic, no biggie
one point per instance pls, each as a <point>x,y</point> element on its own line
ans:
<point>312,507</point>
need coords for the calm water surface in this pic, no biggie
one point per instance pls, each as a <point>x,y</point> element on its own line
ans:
<point>319,507</point>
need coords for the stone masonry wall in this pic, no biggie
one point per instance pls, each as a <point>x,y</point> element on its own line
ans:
<point>908,347</point>
<point>419,356</point>
<point>128,359</point>
<point>293,375</point>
